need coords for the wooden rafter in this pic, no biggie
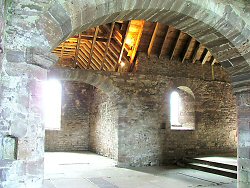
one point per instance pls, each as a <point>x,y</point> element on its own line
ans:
<point>77,49</point>
<point>84,57</point>
<point>136,45</point>
<point>204,60</point>
<point>164,42</point>
<point>81,60</point>
<point>90,38</point>
<point>153,39</point>
<point>93,45</point>
<point>194,56</point>
<point>108,62</point>
<point>185,50</point>
<point>117,36</point>
<point>98,53</point>
<point>107,45</point>
<point>111,56</point>
<point>122,49</point>
<point>172,53</point>
<point>62,51</point>
<point>203,55</point>
<point>86,48</point>
<point>95,56</point>
<point>214,61</point>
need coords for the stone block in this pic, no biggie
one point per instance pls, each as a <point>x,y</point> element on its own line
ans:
<point>61,16</point>
<point>15,56</point>
<point>51,29</point>
<point>9,148</point>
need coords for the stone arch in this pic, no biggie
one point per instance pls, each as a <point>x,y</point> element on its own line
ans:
<point>217,25</point>
<point>187,89</point>
<point>186,94</point>
<point>223,28</point>
<point>94,78</point>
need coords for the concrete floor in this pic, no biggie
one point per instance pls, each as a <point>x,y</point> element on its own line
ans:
<point>88,170</point>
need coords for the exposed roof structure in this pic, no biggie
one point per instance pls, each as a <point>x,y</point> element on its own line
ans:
<point>108,47</point>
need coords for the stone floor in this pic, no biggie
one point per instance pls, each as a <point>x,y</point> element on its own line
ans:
<point>88,170</point>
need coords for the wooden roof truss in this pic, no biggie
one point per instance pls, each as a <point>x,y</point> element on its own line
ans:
<point>110,47</point>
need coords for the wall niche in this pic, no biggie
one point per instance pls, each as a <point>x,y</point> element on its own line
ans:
<point>8,149</point>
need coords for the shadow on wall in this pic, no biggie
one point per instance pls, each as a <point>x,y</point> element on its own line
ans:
<point>89,122</point>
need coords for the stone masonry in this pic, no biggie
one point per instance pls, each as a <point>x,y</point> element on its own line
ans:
<point>89,122</point>
<point>104,125</point>
<point>33,28</point>
<point>74,132</point>
<point>146,138</point>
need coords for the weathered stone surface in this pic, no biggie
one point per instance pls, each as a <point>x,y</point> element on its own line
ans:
<point>15,56</point>
<point>143,106</point>
<point>39,58</point>
<point>9,148</point>
<point>104,125</point>
<point>243,105</point>
<point>75,123</point>
<point>230,19</point>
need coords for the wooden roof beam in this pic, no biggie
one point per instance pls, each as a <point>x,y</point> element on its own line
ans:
<point>62,50</point>
<point>153,39</point>
<point>81,60</point>
<point>95,55</point>
<point>107,45</point>
<point>164,42</point>
<point>108,60</point>
<point>93,45</point>
<point>123,47</point>
<point>90,38</point>
<point>77,48</point>
<point>172,53</point>
<point>85,57</point>
<point>204,60</point>
<point>99,54</point>
<point>117,36</point>
<point>194,56</point>
<point>137,42</point>
<point>85,50</point>
<point>185,51</point>
<point>214,61</point>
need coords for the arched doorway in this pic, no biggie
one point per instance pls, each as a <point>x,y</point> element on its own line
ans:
<point>218,26</point>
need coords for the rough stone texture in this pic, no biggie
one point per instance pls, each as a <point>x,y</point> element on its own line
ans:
<point>243,104</point>
<point>89,122</point>
<point>9,146</point>
<point>21,116</point>
<point>148,109</point>
<point>30,24</point>
<point>74,132</point>
<point>144,134</point>
<point>2,23</point>
<point>156,66</point>
<point>104,125</point>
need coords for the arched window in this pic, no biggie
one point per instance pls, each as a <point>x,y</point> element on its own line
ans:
<point>52,104</point>
<point>182,112</point>
<point>175,107</point>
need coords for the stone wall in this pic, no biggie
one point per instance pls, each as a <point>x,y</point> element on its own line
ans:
<point>243,104</point>
<point>145,137</point>
<point>1,32</point>
<point>89,122</point>
<point>142,102</point>
<point>21,117</point>
<point>104,125</point>
<point>74,132</point>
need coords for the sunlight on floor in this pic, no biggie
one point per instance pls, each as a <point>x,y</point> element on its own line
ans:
<point>89,170</point>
